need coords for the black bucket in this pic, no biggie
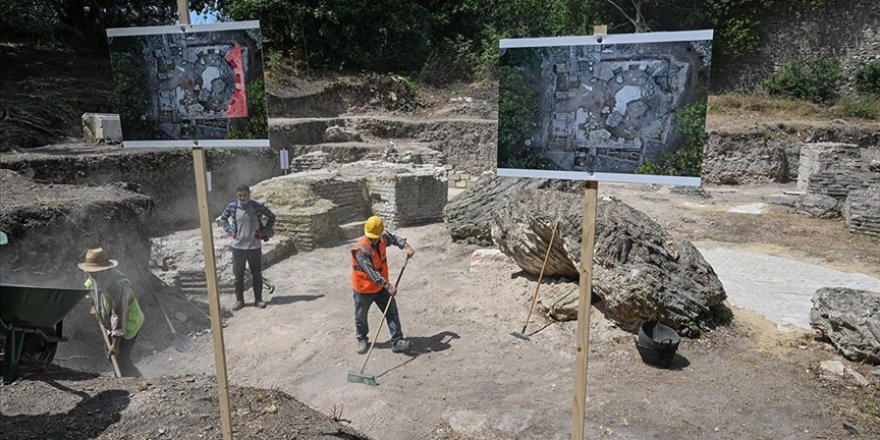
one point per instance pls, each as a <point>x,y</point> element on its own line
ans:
<point>657,343</point>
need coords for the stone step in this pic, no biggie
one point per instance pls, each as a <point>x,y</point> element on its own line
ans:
<point>351,231</point>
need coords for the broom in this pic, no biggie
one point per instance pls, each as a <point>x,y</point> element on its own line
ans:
<point>359,376</point>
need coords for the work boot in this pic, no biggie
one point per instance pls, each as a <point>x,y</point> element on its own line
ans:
<point>237,306</point>
<point>399,346</point>
<point>363,346</point>
<point>260,305</point>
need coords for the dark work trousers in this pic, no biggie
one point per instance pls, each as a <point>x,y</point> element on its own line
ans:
<point>254,259</point>
<point>123,358</point>
<point>362,304</point>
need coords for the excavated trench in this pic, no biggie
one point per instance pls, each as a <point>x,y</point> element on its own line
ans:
<point>59,200</point>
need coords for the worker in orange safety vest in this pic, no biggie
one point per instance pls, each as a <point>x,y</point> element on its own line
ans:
<point>370,282</point>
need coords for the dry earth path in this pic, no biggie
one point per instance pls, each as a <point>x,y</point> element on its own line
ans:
<point>467,378</point>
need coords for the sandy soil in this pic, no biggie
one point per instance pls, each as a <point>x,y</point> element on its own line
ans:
<point>467,378</point>
<point>75,406</point>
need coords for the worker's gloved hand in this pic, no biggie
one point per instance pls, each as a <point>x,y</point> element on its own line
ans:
<point>392,290</point>
<point>264,234</point>
<point>114,349</point>
<point>233,234</point>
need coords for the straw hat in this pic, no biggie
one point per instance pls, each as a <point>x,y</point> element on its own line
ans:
<point>97,260</point>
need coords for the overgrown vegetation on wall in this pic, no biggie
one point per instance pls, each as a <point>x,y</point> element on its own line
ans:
<point>868,78</point>
<point>814,79</point>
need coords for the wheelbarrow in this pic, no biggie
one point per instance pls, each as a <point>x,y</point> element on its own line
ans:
<point>31,319</point>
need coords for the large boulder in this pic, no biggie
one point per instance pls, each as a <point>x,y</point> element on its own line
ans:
<point>850,319</point>
<point>818,205</point>
<point>862,211</point>
<point>468,216</point>
<point>639,270</point>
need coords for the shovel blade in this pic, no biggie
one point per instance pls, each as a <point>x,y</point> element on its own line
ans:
<point>183,343</point>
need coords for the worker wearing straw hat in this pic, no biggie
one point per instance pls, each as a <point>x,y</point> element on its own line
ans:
<point>117,306</point>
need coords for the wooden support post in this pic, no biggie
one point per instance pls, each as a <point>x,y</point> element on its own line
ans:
<point>200,168</point>
<point>213,291</point>
<point>582,350</point>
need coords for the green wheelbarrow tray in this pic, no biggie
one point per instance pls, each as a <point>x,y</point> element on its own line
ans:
<point>38,311</point>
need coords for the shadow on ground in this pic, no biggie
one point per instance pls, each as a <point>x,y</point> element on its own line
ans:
<point>88,419</point>
<point>420,345</point>
<point>287,299</point>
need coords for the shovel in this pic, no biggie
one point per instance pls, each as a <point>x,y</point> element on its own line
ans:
<point>522,334</point>
<point>359,376</point>
<point>182,343</point>
<point>94,312</point>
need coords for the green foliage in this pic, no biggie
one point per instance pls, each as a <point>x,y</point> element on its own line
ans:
<point>860,108</point>
<point>687,160</point>
<point>27,20</point>
<point>455,59</point>
<point>70,22</point>
<point>814,79</point>
<point>868,78</point>
<point>274,61</point>
<point>256,126</point>
<point>517,110</point>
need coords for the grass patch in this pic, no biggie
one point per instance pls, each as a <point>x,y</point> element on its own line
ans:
<point>865,107</point>
<point>737,103</point>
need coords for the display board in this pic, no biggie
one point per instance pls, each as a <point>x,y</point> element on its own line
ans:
<point>607,108</point>
<point>186,86</point>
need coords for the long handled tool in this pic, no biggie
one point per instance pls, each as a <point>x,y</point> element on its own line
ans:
<point>522,334</point>
<point>270,288</point>
<point>359,376</point>
<point>94,312</point>
<point>182,343</point>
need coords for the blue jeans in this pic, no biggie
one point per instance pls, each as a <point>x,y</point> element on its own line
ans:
<point>362,304</point>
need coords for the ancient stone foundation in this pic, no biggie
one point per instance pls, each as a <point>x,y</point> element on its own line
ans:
<point>318,206</point>
<point>862,211</point>
<point>830,168</point>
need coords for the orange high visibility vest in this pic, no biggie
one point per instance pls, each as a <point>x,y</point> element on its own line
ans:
<point>360,281</point>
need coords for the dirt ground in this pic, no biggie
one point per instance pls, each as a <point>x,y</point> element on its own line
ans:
<point>74,405</point>
<point>467,378</point>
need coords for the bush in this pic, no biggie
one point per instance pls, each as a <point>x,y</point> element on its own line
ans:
<point>868,78</point>
<point>814,79</point>
<point>860,108</point>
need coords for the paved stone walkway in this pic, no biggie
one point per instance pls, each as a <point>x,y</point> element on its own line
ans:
<point>778,288</point>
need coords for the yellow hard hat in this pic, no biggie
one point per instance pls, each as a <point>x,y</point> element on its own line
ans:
<point>374,227</point>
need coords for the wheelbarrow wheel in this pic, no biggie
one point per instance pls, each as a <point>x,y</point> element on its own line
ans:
<point>38,350</point>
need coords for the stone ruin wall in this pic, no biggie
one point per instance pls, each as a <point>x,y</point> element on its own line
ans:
<point>848,29</point>
<point>351,197</point>
<point>840,171</point>
<point>772,154</point>
<point>328,205</point>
